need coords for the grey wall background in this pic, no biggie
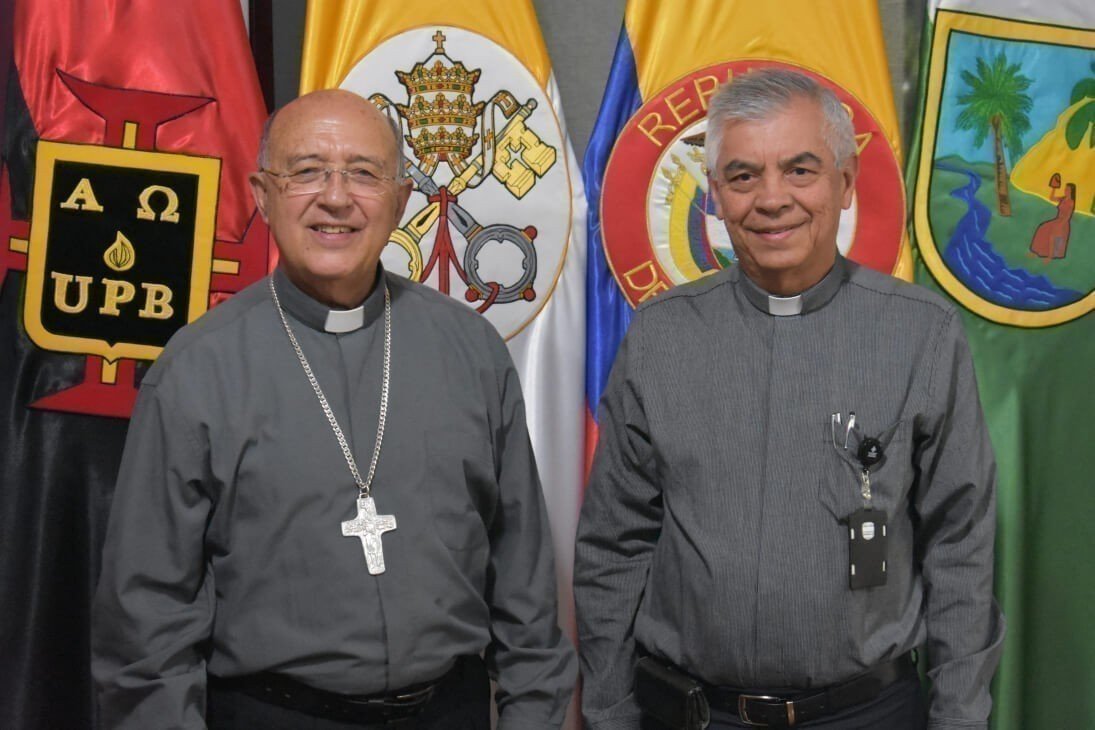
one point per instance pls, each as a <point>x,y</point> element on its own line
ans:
<point>581,37</point>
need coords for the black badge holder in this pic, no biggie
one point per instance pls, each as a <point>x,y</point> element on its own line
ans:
<point>669,696</point>
<point>867,528</point>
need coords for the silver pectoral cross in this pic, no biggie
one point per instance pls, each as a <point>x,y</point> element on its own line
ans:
<point>369,526</point>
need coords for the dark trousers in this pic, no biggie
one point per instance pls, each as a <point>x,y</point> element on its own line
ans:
<point>901,706</point>
<point>460,702</point>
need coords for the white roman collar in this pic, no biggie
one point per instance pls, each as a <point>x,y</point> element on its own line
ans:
<point>785,306</point>
<point>816,297</point>
<point>344,320</point>
<point>320,317</point>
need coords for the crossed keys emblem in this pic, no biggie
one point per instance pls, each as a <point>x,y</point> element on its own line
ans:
<point>442,124</point>
<point>443,207</point>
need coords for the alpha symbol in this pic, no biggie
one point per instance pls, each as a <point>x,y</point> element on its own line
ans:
<point>83,198</point>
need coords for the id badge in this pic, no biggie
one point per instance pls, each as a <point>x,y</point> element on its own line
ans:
<point>867,548</point>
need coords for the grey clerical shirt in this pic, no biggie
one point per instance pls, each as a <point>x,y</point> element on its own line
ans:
<point>711,533</point>
<point>225,551</point>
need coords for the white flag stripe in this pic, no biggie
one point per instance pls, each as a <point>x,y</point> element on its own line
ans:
<point>550,357</point>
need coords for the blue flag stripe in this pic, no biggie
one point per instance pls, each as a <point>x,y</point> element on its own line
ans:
<point>607,311</point>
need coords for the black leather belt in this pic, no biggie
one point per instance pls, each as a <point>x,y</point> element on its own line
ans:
<point>284,692</point>
<point>764,710</point>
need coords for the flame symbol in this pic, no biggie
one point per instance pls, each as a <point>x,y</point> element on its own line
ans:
<point>120,256</point>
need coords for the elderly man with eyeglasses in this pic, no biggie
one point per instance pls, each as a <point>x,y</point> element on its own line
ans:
<point>328,508</point>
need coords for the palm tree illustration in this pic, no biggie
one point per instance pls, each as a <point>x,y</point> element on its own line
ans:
<point>1082,122</point>
<point>996,102</point>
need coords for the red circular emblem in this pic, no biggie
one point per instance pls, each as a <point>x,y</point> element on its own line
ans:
<point>658,222</point>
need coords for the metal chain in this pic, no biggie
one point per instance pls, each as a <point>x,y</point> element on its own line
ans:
<point>362,485</point>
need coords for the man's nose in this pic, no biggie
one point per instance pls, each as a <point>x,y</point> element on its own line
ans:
<point>773,194</point>
<point>335,192</point>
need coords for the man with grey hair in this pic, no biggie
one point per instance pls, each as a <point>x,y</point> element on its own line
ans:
<point>328,514</point>
<point>793,490</point>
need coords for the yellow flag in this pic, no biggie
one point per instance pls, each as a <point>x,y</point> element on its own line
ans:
<point>675,55</point>
<point>496,220</point>
<point>338,35</point>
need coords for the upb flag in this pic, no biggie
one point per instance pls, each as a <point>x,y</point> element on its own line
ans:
<point>497,216</point>
<point>136,125</point>
<point>124,213</point>
<point>1003,179</point>
<point>652,224</point>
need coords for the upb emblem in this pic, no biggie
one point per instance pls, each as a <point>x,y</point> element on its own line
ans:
<point>121,248</point>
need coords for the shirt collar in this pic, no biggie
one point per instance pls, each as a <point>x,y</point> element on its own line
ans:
<point>319,316</point>
<point>813,298</point>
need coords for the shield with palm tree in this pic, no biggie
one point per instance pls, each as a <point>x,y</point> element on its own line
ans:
<point>1003,194</point>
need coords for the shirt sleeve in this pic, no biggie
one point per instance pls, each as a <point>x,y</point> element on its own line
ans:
<point>619,526</point>
<point>956,506</point>
<point>153,608</point>
<point>532,661</point>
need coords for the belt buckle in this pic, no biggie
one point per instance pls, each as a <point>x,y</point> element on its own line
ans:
<point>405,700</point>
<point>412,699</point>
<point>744,714</point>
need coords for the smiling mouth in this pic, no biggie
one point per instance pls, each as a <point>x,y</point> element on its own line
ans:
<point>332,229</point>
<point>775,233</point>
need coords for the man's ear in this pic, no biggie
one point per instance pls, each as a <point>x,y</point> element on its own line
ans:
<point>713,188</point>
<point>258,192</point>
<point>848,174</point>
<point>402,195</point>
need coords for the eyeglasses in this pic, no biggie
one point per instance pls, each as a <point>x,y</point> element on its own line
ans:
<point>360,182</point>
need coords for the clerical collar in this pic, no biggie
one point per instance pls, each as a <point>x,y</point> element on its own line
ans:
<point>813,298</point>
<point>319,316</point>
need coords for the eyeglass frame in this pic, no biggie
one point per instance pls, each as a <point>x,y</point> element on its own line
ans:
<point>327,172</point>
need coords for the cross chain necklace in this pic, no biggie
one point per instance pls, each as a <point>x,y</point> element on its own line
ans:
<point>368,525</point>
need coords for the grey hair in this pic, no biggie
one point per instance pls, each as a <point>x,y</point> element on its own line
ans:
<point>397,135</point>
<point>400,158</point>
<point>759,94</point>
<point>264,141</point>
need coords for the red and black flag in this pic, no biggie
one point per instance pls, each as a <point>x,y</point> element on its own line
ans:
<point>128,131</point>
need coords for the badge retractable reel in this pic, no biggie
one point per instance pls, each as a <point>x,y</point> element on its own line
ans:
<point>867,534</point>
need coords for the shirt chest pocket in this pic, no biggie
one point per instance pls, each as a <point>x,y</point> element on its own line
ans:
<point>841,488</point>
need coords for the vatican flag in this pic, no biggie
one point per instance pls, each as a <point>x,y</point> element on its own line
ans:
<point>652,223</point>
<point>497,219</point>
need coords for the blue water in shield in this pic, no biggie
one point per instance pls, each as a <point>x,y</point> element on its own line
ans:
<point>972,258</point>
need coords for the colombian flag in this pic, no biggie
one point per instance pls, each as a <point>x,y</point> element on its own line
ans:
<point>497,219</point>
<point>651,225</point>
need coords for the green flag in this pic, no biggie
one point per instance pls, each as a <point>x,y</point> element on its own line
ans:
<point>1002,178</point>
